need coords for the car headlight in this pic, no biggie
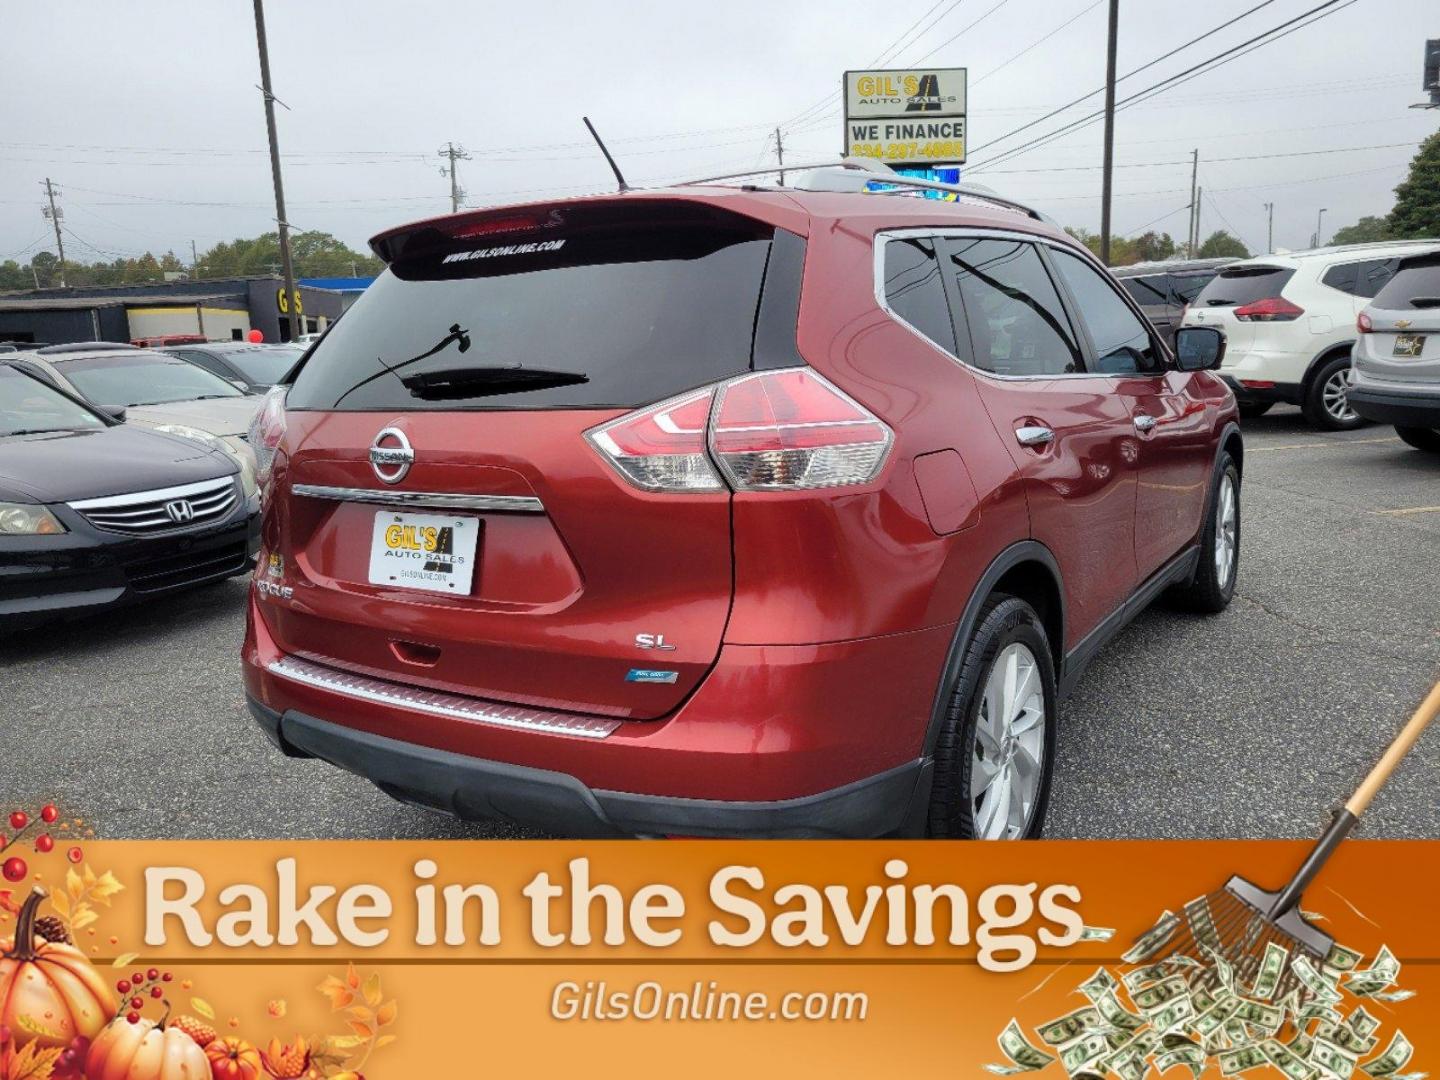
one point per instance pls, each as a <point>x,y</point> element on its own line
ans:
<point>235,448</point>
<point>185,431</point>
<point>21,519</point>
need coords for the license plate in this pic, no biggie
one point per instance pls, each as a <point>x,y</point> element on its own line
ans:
<point>1409,346</point>
<point>433,552</point>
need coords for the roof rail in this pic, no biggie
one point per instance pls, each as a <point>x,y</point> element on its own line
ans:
<point>857,174</point>
<point>87,346</point>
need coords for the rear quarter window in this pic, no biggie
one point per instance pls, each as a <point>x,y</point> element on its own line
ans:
<point>614,313</point>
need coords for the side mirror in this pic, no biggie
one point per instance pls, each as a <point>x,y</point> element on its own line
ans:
<point>1199,348</point>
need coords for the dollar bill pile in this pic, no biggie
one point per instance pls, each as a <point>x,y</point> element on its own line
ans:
<point>1198,1012</point>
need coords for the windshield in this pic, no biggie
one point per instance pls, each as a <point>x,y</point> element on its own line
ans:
<point>267,366</point>
<point>128,379</point>
<point>619,315</point>
<point>28,405</point>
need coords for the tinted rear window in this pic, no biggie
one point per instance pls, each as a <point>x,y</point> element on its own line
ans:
<point>1416,285</point>
<point>642,309</point>
<point>1244,286</point>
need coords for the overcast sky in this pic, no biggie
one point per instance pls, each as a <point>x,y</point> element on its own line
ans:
<point>146,116</point>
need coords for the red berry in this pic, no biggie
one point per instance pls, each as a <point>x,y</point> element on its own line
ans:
<point>138,978</point>
<point>152,974</point>
<point>48,813</point>
<point>137,1003</point>
<point>156,992</point>
<point>19,819</point>
<point>15,869</point>
<point>133,1017</point>
<point>75,854</point>
<point>44,843</point>
<point>166,977</point>
<point>123,986</point>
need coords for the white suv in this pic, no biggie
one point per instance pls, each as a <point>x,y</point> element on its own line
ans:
<point>1289,324</point>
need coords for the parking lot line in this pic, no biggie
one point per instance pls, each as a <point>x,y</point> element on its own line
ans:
<point>1320,442</point>
<point>1409,510</point>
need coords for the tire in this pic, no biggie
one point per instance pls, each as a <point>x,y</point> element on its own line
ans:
<point>1249,410</point>
<point>1008,631</point>
<point>1324,405</point>
<point>1422,438</point>
<point>1214,583</point>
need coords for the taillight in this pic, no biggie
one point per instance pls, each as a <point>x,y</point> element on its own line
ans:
<point>1271,309</point>
<point>1363,323</point>
<point>662,448</point>
<point>266,430</point>
<point>772,431</point>
<point>782,430</point>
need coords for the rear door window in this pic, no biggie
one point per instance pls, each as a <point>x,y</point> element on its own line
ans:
<point>1017,324</point>
<point>1149,290</point>
<point>1121,338</point>
<point>1244,285</point>
<point>1415,286</point>
<point>914,290</point>
<point>1187,287</point>
<point>605,313</point>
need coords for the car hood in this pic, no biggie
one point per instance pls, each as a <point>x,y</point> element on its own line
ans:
<point>218,416</point>
<point>64,466</point>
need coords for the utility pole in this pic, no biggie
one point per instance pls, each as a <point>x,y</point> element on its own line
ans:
<point>1319,233</point>
<point>1194,205</point>
<point>1270,228</point>
<point>453,153</point>
<point>286,265</point>
<point>1199,198</point>
<point>780,156</point>
<point>1108,175</point>
<point>194,262</point>
<point>55,215</point>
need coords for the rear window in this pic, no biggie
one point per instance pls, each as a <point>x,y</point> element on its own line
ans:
<point>1188,286</point>
<point>1151,290</point>
<point>1244,285</point>
<point>599,314</point>
<point>1415,285</point>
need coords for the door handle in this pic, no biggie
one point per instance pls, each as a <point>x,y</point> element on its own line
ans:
<point>1144,422</point>
<point>1034,435</point>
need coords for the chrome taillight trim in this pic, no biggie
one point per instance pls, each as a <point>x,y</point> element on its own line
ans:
<point>440,703</point>
<point>505,504</point>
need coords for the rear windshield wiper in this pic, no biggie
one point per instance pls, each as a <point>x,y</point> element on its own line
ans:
<point>456,383</point>
<point>1425,301</point>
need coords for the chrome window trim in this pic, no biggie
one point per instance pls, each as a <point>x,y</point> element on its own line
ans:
<point>505,504</point>
<point>439,702</point>
<point>976,232</point>
<point>203,487</point>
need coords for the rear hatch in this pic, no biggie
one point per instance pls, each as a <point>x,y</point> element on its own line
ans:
<point>1236,302</point>
<point>1402,345</point>
<point>490,347</point>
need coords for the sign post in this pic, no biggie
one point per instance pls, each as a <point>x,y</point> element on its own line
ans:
<point>906,117</point>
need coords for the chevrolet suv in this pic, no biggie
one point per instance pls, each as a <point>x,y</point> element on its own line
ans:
<point>1395,377</point>
<point>727,511</point>
<point>1289,324</point>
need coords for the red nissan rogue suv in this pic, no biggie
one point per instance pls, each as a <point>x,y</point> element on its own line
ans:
<point>721,510</point>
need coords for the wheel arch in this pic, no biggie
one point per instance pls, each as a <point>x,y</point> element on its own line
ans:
<point>1342,348</point>
<point>1027,570</point>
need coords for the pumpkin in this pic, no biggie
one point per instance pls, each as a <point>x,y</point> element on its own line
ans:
<point>234,1059</point>
<point>145,1051</point>
<point>49,993</point>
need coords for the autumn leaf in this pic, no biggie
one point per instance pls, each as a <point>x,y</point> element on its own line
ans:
<point>82,918</point>
<point>352,977</point>
<point>365,1031</point>
<point>35,1027</point>
<point>73,884</point>
<point>124,959</point>
<point>203,1007</point>
<point>386,1013</point>
<point>384,1040</point>
<point>33,1063</point>
<point>277,1008</point>
<point>341,1043</point>
<point>88,876</point>
<point>339,995</point>
<point>59,901</point>
<point>105,887</point>
<point>372,989</point>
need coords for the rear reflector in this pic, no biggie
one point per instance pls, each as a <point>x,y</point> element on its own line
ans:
<point>1257,384</point>
<point>1271,309</point>
<point>772,431</point>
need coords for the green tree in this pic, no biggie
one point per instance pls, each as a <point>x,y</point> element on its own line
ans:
<point>1417,199</point>
<point>1152,246</point>
<point>1221,245</point>
<point>13,276</point>
<point>1367,230</point>
<point>45,265</point>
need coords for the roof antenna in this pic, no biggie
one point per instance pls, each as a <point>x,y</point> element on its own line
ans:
<point>619,177</point>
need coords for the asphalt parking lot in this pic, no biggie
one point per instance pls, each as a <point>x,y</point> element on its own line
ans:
<point>1250,724</point>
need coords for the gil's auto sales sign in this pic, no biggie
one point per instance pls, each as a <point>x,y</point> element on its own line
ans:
<point>906,117</point>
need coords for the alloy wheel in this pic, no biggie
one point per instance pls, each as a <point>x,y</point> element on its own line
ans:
<point>1335,397</point>
<point>1227,520</point>
<point>1009,747</point>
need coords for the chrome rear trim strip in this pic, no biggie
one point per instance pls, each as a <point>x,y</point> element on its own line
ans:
<point>505,504</point>
<point>439,703</point>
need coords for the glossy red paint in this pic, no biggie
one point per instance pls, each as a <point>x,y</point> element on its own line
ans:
<point>810,628</point>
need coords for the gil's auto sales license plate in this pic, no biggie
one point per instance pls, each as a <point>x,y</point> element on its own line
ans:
<point>1409,346</point>
<point>435,552</point>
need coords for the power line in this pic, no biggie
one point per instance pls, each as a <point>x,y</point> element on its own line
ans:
<point>1038,41</point>
<point>961,33</point>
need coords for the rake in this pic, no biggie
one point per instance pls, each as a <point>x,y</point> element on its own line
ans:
<point>1239,921</point>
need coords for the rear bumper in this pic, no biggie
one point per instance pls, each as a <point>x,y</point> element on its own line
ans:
<point>1247,392</point>
<point>474,788</point>
<point>793,741</point>
<point>1402,410</point>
